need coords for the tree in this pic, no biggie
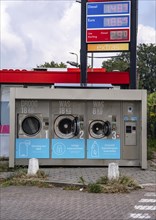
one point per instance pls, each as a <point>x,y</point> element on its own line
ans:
<point>52,64</point>
<point>151,115</point>
<point>146,62</point>
<point>121,62</point>
<point>146,65</point>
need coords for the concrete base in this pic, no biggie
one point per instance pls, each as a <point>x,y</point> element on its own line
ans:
<point>77,162</point>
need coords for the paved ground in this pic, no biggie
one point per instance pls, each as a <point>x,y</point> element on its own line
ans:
<point>72,175</point>
<point>32,203</point>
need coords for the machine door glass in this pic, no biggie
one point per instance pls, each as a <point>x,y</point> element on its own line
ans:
<point>66,126</point>
<point>99,129</point>
<point>31,125</point>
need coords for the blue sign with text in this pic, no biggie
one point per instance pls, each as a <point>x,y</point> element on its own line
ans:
<point>32,148</point>
<point>103,149</point>
<point>108,22</point>
<point>68,148</point>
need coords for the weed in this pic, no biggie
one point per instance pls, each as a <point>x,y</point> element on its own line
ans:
<point>82,180</point>
<point>127,181</point>
<point>71,187</point>
<point>41,174</point>
<point>103,180</point>
<point>4,166</point>
<point>94,188</point>
<point>115,188</point>
<point>3,158</point>
<point>121,185</point>
<point>20,178</point>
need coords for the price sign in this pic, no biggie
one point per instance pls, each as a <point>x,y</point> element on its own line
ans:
<point>122,21</point>
<point>108,21</point>
<point>108,35</point>
<point>104,8</point>
<point>116,8</point>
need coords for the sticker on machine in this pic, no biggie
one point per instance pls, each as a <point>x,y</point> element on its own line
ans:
<point>32,148</point>
<point>68,148</point>
<point>103,149</point>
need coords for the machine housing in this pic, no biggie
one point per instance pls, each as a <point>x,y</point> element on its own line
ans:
<point>78,127</point>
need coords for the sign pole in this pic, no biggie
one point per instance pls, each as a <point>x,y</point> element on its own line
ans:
<point>83,51</point>
<point>133,44</point>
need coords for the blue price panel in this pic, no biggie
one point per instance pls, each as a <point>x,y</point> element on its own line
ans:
<point>108,22</point>
<point>103,149</point>
<point>68,148</point>
<point>104,8</point>
<point>32,148</point>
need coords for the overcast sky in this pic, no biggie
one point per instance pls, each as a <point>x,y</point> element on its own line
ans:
<point>34,32</point>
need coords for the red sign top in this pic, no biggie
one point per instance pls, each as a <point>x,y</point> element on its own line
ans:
<point>96,75</point>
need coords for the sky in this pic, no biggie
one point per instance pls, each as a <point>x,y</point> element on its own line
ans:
<point>34,32</point>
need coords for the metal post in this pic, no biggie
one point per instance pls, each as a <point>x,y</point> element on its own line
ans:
<point>133,44</point>
<point>83,52</point>
<point>75,55</point>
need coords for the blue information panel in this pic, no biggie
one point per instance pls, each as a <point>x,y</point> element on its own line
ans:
<point>104,8</point>
<point>108,22</point>
<point>103,149</point>
<point>32,148</point>
<point>68,148</point>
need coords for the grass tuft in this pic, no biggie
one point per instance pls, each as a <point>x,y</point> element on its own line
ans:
<point>21,178</point>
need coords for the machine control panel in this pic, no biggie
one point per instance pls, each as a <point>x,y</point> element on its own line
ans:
<point>130,133</point>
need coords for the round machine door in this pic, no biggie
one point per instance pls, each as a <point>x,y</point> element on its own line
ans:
<point>31,125</point>
<point>66,126</point>
<point>107,128</point>
<point>99,129</point>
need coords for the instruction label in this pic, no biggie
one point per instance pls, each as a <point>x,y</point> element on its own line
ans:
<point>103,149</point>
<point>32,148</point>
<point>68,148</point>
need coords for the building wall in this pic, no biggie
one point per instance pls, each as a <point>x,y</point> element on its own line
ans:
<point>4,121</point>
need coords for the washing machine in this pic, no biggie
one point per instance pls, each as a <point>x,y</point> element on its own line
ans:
<point>103,119</point>
<point>99,129</point>
<point>103,140</point>
<point>32,129</point>
<point>68,136</point>
<point>68,126</point>
<point>32,126</point>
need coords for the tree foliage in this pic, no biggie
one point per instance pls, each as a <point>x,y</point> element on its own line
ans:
<point>52,64</point>
<point>121,62</point>
<point>146,65</point>
<point>151,115</point>
<point>146,62</point>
